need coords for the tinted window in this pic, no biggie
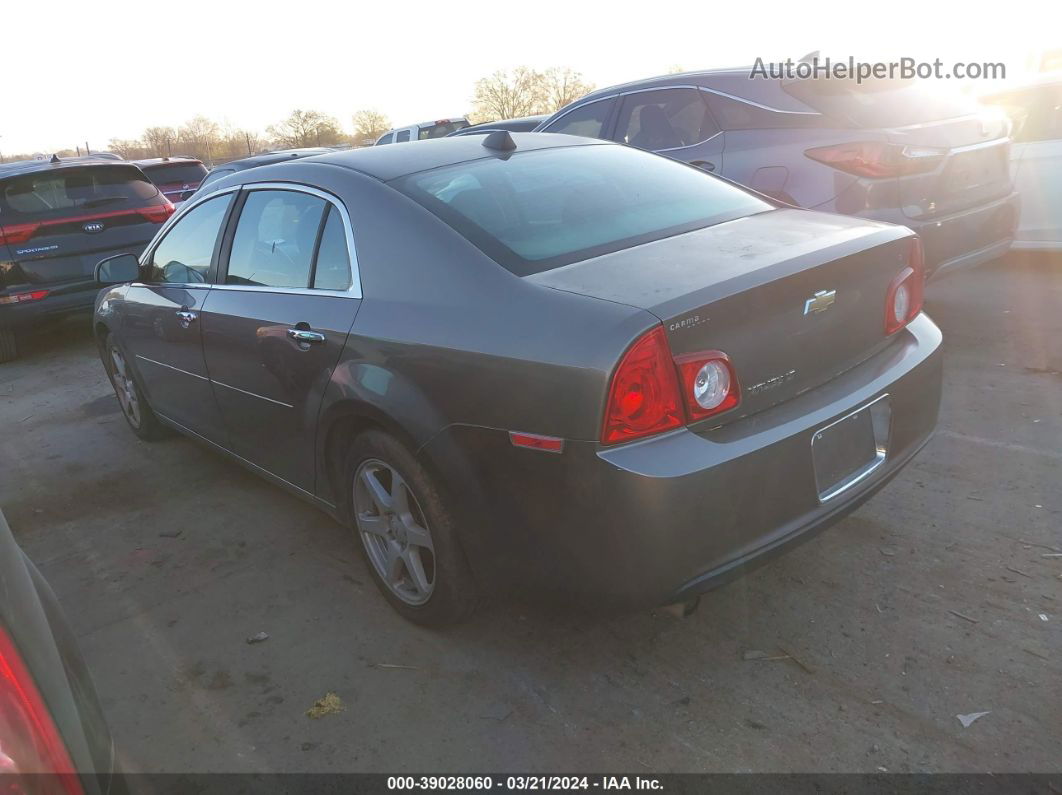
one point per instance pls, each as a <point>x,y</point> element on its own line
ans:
<point>441,130</point>
<point>386,139</point>
<point>184,254</point>
<point>274,240</point>
<point>665,119</point>
<point>176,172</point>
<point>881,103</point>
<point>541,209</point>
<point>402,136</point>
<point>64,191</point>
<point>733,114</point>
<point>333,260</point>
<point>587,120</point>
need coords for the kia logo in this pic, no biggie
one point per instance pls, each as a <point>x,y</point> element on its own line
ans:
<point>93,226</point>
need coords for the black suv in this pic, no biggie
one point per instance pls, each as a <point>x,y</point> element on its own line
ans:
<point>58,218</point>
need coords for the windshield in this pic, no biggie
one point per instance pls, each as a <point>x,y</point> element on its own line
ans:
<point>170,173</point>
<point>542,209</point>
<point>50,193</point>
<point>441,129</point>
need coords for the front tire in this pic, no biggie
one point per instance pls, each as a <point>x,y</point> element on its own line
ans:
<point>406,533</point>
<point>138,414</point>
<point>8,345</point>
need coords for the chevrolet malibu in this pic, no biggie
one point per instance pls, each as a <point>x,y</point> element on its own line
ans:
<point>531,362</point>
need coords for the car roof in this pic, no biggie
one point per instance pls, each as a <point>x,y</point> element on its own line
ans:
<point>31,166</point>
<point>670,79</point>
<point>268,158</point>
<point>158,161</point>
<point>398,160</point>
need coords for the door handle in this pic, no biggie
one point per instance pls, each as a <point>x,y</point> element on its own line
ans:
<point>707,165</point>
<point>186,318</point>
<point>305,335</point>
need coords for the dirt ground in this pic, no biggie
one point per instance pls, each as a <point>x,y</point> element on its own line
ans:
<point>933,600</point>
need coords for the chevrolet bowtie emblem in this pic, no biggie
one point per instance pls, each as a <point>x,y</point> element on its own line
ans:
<point>820,302</point>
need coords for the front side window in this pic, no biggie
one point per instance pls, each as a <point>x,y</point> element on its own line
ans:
<point>388,138</point>
<point>665,119</point>
<point>587,120</point>
<point>185,253</point>
<point>275,238</point>
<point>545,208</point>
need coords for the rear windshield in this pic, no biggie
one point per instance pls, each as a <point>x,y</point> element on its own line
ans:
<point>176,172</point>
<point>881,103</point>
<point>58,192</point>
<point>542,209</point>
<point>442,130</point>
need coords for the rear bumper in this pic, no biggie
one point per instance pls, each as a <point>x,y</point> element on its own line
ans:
<point>52,307</point>
<point>655,521</point>
<point>963,239</point>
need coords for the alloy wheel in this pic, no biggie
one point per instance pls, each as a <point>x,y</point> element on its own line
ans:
<point>125,388</point>
<point>395,531</point>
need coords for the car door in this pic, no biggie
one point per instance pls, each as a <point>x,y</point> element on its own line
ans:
<point>1037,166</point>
<point>275,324</point>
<point>675,122</point>
<point>160,318</point>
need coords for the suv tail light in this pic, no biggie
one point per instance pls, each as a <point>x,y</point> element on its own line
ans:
<point>158,213</point>
<point>30,743</point>
<point>17,233</point>
<point>877,159</point>
<point>646,393</point>
<point>903,299</point>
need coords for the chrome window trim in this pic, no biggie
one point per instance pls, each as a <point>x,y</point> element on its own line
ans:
<point>354,291</point>
<point>718,93</point>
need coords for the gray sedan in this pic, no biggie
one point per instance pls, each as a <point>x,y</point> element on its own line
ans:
<point>531,362</point>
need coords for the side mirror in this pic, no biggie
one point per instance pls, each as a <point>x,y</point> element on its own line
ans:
<point>117,269</point>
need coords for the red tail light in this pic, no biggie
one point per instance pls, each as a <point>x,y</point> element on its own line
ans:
<point>903,299</point>
<point>708,382</point>
<point>644,396</point>
<point>17,233</point>
<point>159,212</point>
<point>877,159</point>
<point>22,298</point>
<point>30,743</point>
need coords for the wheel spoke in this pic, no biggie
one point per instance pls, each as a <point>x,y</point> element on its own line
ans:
<point>377,492</point>
<point>376,525</point>
<point>393,563</point>
<point>415,567</point>
<point>399,495</point>
<point>416,535</point>
<point>119,363</point>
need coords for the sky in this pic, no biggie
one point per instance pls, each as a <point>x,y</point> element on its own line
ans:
<point>110,72</point>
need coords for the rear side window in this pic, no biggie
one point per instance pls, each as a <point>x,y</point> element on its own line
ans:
<point>881,103</point>
<point>332,270</point>
<point>733,114</point>
<point>666,119</point>
<point>66,191</point>
<point>176,172</point>
<point>587,120</point>
<point>184,255</point>
<point>402,136</point>
<point>275,238</point>
<point>542,209</point>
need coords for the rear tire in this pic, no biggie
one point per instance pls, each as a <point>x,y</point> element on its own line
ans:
<point>138,414</point>
<point>406,533</point>
<point>8,345</point>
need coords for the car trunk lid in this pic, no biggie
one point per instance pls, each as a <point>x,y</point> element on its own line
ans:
<point>794,298</point>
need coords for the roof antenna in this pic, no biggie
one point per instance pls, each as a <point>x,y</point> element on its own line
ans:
<point>55,159</point>
<point>500,140</point>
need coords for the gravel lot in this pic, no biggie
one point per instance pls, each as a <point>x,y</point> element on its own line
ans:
<point>933,600</point>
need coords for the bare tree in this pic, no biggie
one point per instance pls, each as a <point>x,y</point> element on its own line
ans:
<point>561,85</point>
<point>130,149</point>
<point>369,125</point>
<point>199,137</point>
<point>159,141</point>
<point>305,128</point>
<point>509,95</point>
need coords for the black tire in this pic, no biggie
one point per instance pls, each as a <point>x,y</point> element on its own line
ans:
<point>453,597</point>
<point>8,345</point>
<point>141,420</point>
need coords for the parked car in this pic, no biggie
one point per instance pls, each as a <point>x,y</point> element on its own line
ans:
<point>525,124</point>
<point>1036,160</point>
<point>884,150</point>
<point>53,736</point>
<point>263,159</point>
<point>439,128</point>
<point>177,177</point>
<point>58,218</point>
<point>531,361</point>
